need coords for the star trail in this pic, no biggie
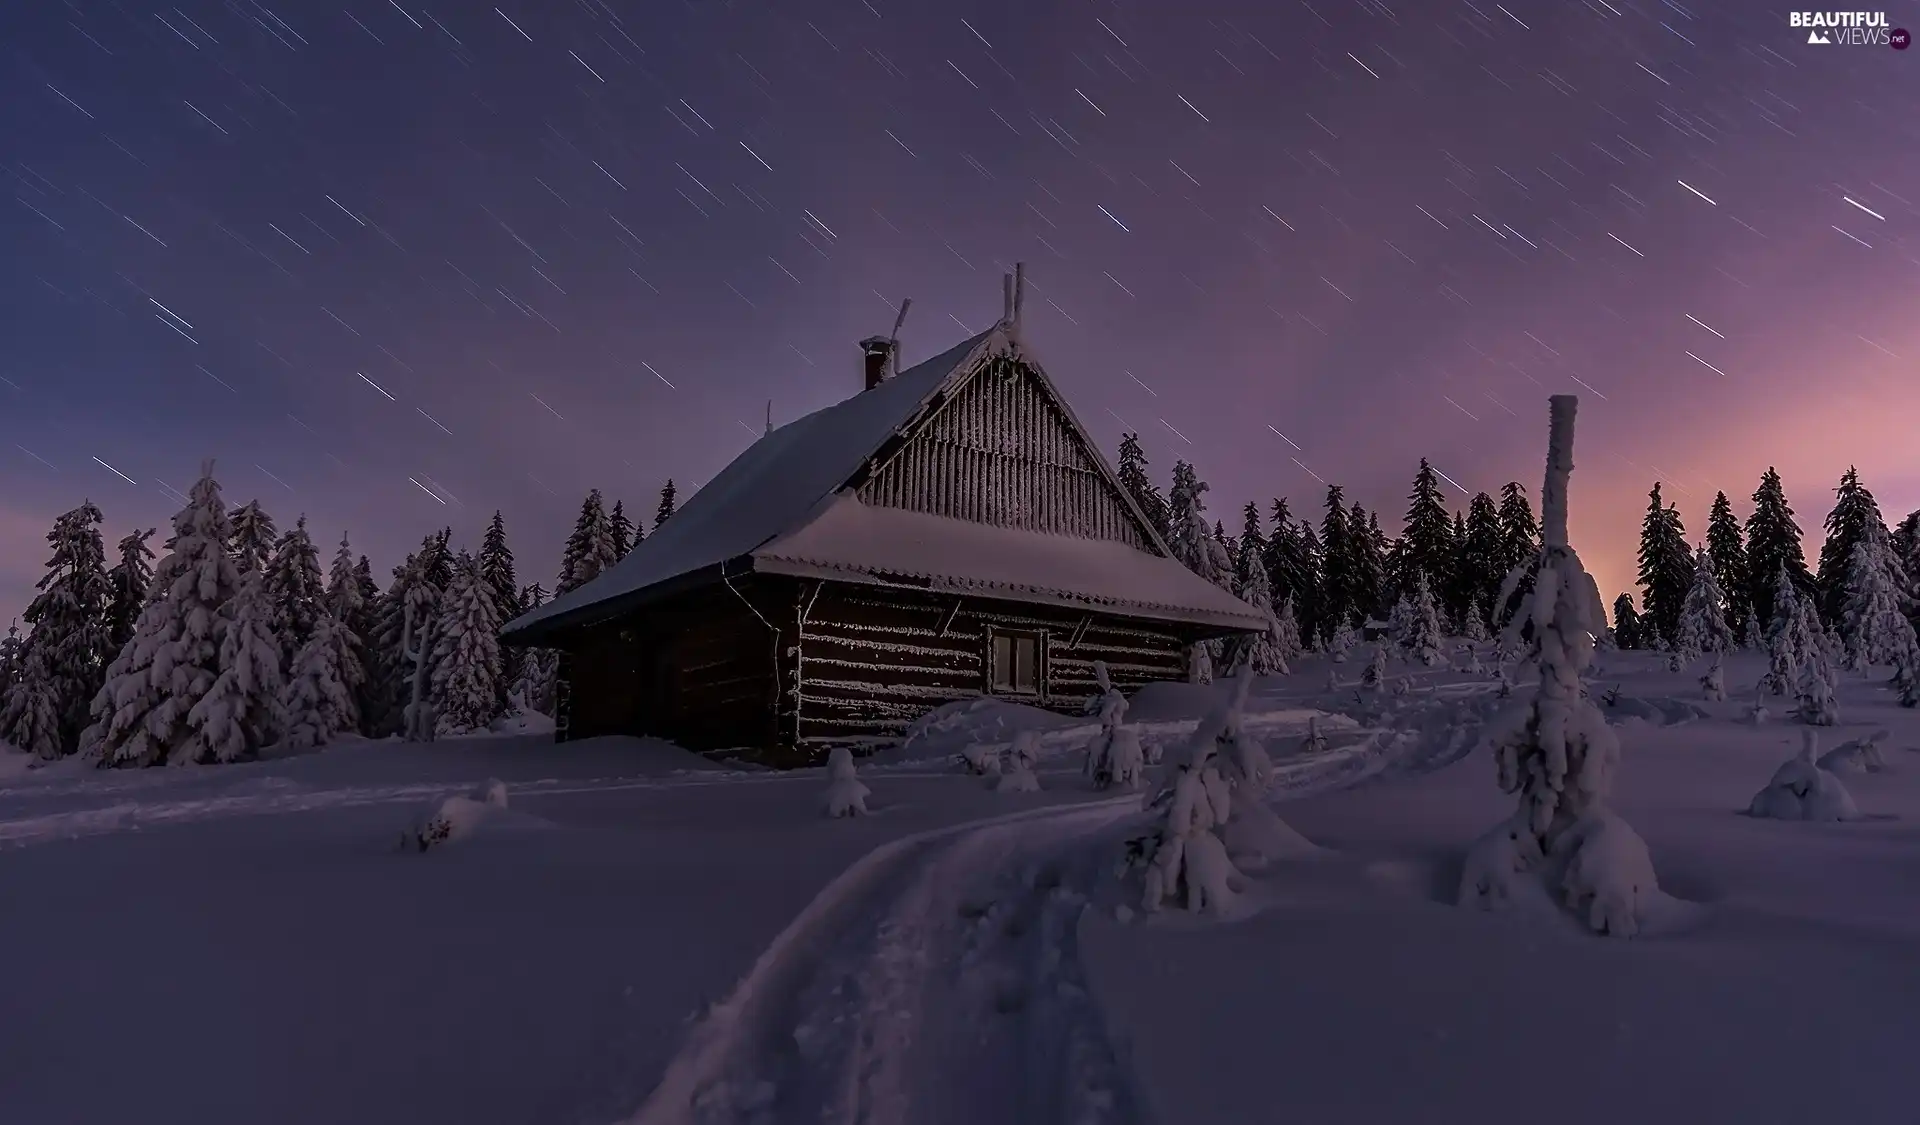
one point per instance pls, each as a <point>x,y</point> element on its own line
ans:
<point>397,267</point>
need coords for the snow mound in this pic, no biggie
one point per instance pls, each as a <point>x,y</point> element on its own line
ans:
<point>948,730</point>
<point>455,818</point>
<point>1861,755</point>
<point>1017,776</point>
<point>1609,873</point>
<point>1175,701</point>
<point>1659,711</point>
<point>846,793</point>
<point>522,722</point>
<point>1802,790</point>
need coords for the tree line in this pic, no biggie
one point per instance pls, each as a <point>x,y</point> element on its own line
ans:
<point>236,638</point>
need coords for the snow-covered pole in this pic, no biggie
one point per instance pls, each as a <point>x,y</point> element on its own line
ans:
<point>1553,493</point>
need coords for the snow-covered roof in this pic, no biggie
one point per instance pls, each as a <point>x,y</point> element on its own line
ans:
<point>853,541</point>
<point>778,507</point>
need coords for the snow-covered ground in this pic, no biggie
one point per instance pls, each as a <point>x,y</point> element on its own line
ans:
<point>642,934</point>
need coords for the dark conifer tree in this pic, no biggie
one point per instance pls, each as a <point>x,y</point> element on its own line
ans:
<point>131,578</point>
<point>1906,543</point>
<point>589,550</point>
<point>1337,581</point>
<point>63,662</point>
<point>295,586</point>
<point>1626,623</point>
<point>1134,477</point>
<point>1369,546</point>
<point>1252,541</point>
<point>619,527</point>
<point>1482,552</point>
<point>1666,565</point>
<point>665,511</point>
<point>1773,545</point>
<point>1519,548</point>
<point>1727,558</point>
<point>496,566</point>
<point>1310,594</point>
<point>1426,545</point>
<point>1854,510</point>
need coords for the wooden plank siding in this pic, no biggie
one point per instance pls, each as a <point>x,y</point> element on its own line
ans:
<point>1001,452</point>
<point>870,660</point>
<point>699,670</point>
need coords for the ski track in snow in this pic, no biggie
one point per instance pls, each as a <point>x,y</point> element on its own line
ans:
<point>935,982</point>
<point>938,981</point>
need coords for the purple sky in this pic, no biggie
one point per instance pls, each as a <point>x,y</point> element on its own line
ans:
<point>584,244</point>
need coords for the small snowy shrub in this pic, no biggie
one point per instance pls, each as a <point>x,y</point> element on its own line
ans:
<point>1113,712</point>
<point>1713,684</point>
<point>1609,875</point>
<point>1187,863</point>
<point>1126,761</point>
<point>1801,790</point>
<point>1018,775</point>
<point>455,818</point>
<point>1375,676</point>
<point>846,793</point>
<point>981,759</point>
<point>1340,643</point>
<point>1315,742</point>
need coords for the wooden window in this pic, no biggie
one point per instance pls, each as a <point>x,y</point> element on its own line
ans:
<point>1016,664</point>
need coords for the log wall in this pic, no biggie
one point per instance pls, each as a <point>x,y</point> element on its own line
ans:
<point>699,670</point>
<point>869,660</point>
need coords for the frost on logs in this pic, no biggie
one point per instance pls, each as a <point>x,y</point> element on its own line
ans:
<point>1555,750</point>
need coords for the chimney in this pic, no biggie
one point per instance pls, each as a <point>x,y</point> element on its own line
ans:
<point>876,360</point>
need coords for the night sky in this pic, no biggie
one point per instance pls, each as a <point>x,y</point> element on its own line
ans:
<point>396,268</point>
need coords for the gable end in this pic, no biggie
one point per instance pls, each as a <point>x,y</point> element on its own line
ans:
<point>999,449</point>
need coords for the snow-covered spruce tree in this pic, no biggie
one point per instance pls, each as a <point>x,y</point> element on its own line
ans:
<point>1751,640</point>
<point>1854,513</point>
<point>1727,549</point>
<point>294,590</point>
<point>413,589</point>
<point>130,578</point>
<point>619,527</point>
<point>496,566</point>
<point>1112,705</point>
<point>1337,579</point>
<point>1400,622</point>
<point>346,602</point>
<point>1341,642</point>
<point>1423,637</point>
<point>1773,544</point>
<point>1374,676</point>
<point>1474,627</point>
<point>30,710</point>
<point>9,658</point>
<point>66,651</point>
<point>1266,651</point>
<point>589,549</point>
<point>1286,632</point>
<point>466,654</point>
<point>1195,546</point>
<point>1426,549</point>
<point>1556,751</point>
<point>1666,565</point>
<point>1713,682</point>
<point>1786,645</point>
<point>1519,554</point>
<point>141,714</point>
<point>533,682</point>
<point>250,543</point>
<point>1818,673</point>
<point>1132,470</point>
<point>1626,623</point>
<point>1703,623</point>
<point>669,503</point>
<point>240,713</point>
<point>1873,619</point>
<point>318,702</point>
<point>1185,861</point>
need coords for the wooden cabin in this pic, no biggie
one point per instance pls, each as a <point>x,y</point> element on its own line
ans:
<point>949,532</point>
